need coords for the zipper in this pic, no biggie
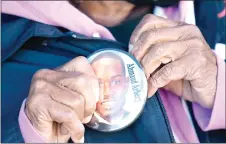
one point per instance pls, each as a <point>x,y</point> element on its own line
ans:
<point>68,39</point>
<point>82,37</point>
<point>166,118</point>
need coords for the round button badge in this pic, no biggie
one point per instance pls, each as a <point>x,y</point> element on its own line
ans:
<point>123,90</point>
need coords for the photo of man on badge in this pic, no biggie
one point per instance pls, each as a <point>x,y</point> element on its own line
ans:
<point>110,70</point>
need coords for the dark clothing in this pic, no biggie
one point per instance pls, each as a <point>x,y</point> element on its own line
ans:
<point>28,46</point>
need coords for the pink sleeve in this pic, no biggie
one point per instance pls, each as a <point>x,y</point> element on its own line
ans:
<point>213,119</point>
<point>30,10</point>
<point>57,13</point>
<point>29,133</point>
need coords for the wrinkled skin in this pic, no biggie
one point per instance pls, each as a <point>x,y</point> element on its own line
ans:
<point>61,100</point>
<point>189,66</point>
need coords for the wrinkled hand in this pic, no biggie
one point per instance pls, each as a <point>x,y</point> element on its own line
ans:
<point>175,56</point>
<point>61,100</point>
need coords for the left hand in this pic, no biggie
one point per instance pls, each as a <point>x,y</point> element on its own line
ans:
<point>175,56</point>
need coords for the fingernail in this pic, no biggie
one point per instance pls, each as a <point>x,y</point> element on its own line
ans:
<point>87,119</point>
<point>147,75</point>
<point>151,90</point>
<point>165,60</point>
<point>96,35</point>
<point>81,140</point>
<point>130,47</point>
<point>133,50</point>
<point>149,93</point>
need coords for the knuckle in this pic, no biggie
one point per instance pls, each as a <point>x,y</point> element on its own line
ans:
<point>197,42</point>
<point>194,28</point>
<point>40,84</point>
<point>158,48</point>
<point>150,17</point>
<point>145,60</point>
<point>41,73</point>
<point>145,35</point>
<point>148,35</point>
<point>39,116</point>
<point>186,32</point>
<point>190,27</point>
<point>80,58</point>
<point>205,57</point>
<point>70,114</point>
<point>167,70</point>
<point>154,81</point>
<point>38,89</point>
<point>152,33</point>
<point>147,17</point>
<point>180,23</point>
<point>30,105</point>
<point>72,64</point>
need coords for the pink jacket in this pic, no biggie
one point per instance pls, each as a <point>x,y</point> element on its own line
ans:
<point>57,13</point>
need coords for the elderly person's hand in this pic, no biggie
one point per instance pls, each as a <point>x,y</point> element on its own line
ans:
<point>175,56</point>
<point>61,100</point>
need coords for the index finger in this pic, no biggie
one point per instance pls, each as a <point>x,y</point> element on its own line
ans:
<point>82,65</point>
<point>84,83</point>
<point>150,22</point>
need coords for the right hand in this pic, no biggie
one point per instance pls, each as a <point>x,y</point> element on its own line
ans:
<point>61,100</point>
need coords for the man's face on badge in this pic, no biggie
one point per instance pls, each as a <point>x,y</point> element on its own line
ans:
<point>113,86</point>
